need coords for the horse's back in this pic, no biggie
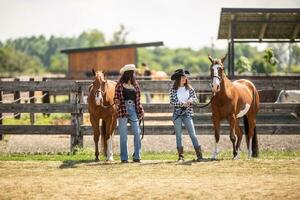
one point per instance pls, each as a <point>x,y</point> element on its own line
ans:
<point>248,92</point>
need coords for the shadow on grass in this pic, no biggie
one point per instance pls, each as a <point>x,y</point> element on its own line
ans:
<point>74,163</point>
<point>204,160</point>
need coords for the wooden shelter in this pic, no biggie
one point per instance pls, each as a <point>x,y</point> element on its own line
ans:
<point>107,58</point>
<point>249,25</point>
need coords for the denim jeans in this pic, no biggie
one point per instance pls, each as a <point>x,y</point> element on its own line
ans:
<point>122,128</point>
<point>189,125</point>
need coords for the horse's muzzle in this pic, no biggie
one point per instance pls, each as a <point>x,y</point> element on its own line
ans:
<point>215,88</point>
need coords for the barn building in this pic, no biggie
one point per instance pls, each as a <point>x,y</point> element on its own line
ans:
<point>107,58</point>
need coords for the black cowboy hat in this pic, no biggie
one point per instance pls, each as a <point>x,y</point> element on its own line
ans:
<point>178,73</point>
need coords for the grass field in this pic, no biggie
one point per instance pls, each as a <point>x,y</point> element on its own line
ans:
<point>275,175</point>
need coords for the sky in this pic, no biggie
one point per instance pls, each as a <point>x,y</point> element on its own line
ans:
<point>178,23</point>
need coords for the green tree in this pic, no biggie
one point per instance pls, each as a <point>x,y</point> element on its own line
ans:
<point>270,60</point>
<point>243,65</point>
<point>14,62</point>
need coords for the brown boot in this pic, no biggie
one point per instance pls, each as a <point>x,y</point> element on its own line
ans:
<point>180,154</point>
<point>198,153</point>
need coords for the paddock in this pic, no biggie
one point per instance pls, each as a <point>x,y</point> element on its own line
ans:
<point>274,176</point>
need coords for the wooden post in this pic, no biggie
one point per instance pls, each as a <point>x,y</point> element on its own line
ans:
<point>17,96</point>
<point>77,120</point>
<point>1,134</point>
<point>32,100</point>
<point>46,98</point>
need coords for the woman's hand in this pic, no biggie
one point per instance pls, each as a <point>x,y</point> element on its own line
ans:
<point>186,105</point>
<point>189,102</point>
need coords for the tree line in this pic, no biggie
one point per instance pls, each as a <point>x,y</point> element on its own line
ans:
<point>36,55</point>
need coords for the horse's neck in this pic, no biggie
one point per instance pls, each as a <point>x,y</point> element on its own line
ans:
<point>225,86</point>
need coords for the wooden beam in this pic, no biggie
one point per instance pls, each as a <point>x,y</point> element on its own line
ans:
<point>264,108</point>
<point>201,129</point>
<point>263,28</point>
<point>37,129</point>
<point>261,118</point>
<point>62,85</point>
<point>39,108</point>
<point>207,129</point>
<point>295,32</point>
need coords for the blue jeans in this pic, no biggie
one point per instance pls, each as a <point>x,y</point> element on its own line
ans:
<point>189,125</point>
<point>122,128</point>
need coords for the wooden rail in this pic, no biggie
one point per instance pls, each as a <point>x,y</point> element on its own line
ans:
<point>272,118</point>
<point>201,129</point>
<point>149,108</point>
<point>146,86</point>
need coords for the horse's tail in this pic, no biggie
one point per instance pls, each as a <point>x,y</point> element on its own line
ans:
<point>103,137</point>
<point>255,105</point>
<point>255,150</point>
<point>246,127</point>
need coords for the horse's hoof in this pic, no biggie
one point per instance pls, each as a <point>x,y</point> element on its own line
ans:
<point>97,160</point>
<point>236,158</point>
<point>110,159</point>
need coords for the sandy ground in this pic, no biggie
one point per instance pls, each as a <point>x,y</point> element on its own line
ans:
<point>248,179</point>
<point>46,143</point>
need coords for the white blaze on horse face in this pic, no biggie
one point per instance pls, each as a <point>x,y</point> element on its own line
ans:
<point>216,81</point>
<point>98,98</point>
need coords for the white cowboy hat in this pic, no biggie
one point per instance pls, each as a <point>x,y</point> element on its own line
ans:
<point>127,67</point>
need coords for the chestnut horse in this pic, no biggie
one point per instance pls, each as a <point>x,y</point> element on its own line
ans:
<point>231,101</point>
<point>101,106</point>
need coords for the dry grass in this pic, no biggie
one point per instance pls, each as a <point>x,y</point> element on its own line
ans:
<point>226,179</point>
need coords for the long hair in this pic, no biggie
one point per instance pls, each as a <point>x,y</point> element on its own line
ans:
<point>177,84</point>
<point>126,76</point>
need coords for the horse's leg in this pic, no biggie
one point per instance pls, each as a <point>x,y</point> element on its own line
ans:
<point>109,135</point>
<point>95,125</point>
<point>252,124</point>
<point>232,123</point>
<point>104,137</point>
<point>216,123</point>
<point>239,133</point>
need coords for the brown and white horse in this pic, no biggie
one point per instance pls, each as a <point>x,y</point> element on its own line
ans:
<point>101,106</point>
<point>232,101</point>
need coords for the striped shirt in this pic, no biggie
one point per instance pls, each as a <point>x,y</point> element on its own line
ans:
<point>178,105</point>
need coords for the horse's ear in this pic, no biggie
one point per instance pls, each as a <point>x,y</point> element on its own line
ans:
<point>93,71</point>
<point>223,59</point>
<point>104,75</point>
<point>210,58</point>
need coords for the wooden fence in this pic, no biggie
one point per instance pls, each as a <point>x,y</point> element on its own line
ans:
<point>272,118</point>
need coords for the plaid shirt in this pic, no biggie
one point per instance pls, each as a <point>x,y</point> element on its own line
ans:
<point>119,99</point>
<point>178,105</point>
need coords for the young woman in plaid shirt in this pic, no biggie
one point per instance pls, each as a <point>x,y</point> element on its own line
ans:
<point>182,97</point>
<point>129,107</point>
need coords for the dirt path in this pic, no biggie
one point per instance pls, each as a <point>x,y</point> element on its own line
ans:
<point>244,179</point>
<point>45,143</point>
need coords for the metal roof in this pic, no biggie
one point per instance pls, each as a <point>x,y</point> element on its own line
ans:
<point>259,23</point>
<point>112,47</point>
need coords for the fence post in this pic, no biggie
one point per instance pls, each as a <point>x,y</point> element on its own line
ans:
<point>32,100</point>
<point>46,98</point>
<point>77,119</point>
<point>17,96</point>
<point>1,134</point>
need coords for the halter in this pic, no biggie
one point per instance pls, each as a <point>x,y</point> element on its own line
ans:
<point>103,93</point>
<point>216,75</point>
